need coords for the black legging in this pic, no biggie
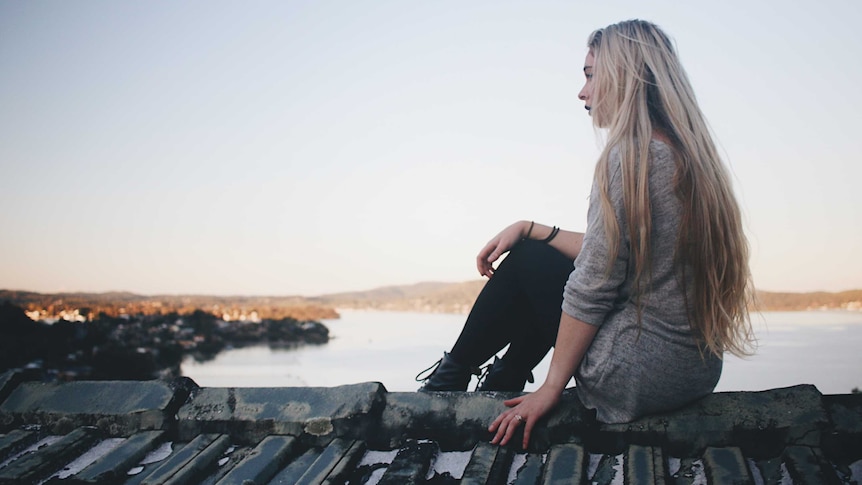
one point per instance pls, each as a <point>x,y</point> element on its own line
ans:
<point>519,306</point>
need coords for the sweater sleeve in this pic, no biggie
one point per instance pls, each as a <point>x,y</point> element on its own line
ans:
<point>591,291</point>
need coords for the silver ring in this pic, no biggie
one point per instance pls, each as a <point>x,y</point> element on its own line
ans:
<point>518,417</point>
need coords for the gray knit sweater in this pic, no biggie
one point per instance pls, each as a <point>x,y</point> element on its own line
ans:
<point>629,371</point>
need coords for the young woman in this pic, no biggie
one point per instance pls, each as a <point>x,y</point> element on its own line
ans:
<point>660,286</point>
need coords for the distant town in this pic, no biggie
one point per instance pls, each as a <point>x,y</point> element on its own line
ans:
<point>82,307</point>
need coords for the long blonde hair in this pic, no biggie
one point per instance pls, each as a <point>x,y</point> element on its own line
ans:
<point>639,87</point>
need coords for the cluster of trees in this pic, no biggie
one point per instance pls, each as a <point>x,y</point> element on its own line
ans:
<point>140,347</point>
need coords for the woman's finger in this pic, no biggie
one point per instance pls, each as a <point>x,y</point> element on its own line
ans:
<point>507,428</point>
<point>485,260</point>
<point>496,423</point>
<point>510,403</point>
<point>516,422</point>
<point>498,436</point>
<point>482,263</point>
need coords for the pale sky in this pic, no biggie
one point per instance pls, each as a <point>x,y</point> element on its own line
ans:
<point>309,147</point>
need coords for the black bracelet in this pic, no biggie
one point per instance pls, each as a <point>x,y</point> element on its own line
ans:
<point>530,230</point>
<point>551,236</point>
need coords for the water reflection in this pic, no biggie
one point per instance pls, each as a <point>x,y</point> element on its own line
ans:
<point>820,348</point>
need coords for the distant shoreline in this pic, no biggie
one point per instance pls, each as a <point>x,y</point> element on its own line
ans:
<point>426,297</point>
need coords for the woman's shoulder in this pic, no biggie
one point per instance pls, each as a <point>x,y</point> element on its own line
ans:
<point>660,148</point>
<point>662,157</point>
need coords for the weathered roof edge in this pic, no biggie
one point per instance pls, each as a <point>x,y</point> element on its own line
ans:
<point>760,423</point>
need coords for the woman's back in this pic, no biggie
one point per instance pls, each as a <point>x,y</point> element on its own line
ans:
<point>643,361</point>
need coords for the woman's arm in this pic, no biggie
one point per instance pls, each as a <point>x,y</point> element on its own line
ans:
<point>567,242</point>
<point>573,340</point>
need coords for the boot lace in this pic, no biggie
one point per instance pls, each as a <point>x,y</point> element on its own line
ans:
<point>430,370</point>
<point>486,369</point>
<point>433,368</point>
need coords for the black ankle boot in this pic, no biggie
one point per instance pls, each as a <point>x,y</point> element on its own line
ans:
<point>501,376</point>
<point>447,375</point>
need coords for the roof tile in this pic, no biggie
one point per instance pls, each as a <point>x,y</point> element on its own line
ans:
<point>33,467</point>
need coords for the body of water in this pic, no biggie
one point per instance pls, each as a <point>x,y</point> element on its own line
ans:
<point>820,348</point>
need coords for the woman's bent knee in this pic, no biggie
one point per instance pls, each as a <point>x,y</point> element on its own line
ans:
<point>530,255</point>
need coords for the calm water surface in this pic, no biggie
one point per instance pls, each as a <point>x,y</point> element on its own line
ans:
<point>820,348</point>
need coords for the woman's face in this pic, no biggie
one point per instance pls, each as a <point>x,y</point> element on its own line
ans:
<point>586,93</point>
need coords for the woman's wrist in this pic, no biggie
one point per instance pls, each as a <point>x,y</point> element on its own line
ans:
<point>552,389</point>
<point>529,225</point>
<point>556,384</point>
<point>554,231</point>
<point>529,229</point>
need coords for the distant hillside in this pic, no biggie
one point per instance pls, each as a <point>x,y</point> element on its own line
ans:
<point>459,297</point>
<point>821,300</point>
<point>433,297</point>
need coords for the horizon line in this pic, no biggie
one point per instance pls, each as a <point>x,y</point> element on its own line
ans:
<point>271,295</point>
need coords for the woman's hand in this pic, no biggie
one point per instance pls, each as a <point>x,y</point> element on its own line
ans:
<point>497,246</point>
<point>525,410</point>
<point>573,339</point>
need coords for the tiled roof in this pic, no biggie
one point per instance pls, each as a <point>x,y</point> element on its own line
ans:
<point>154,432</point>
